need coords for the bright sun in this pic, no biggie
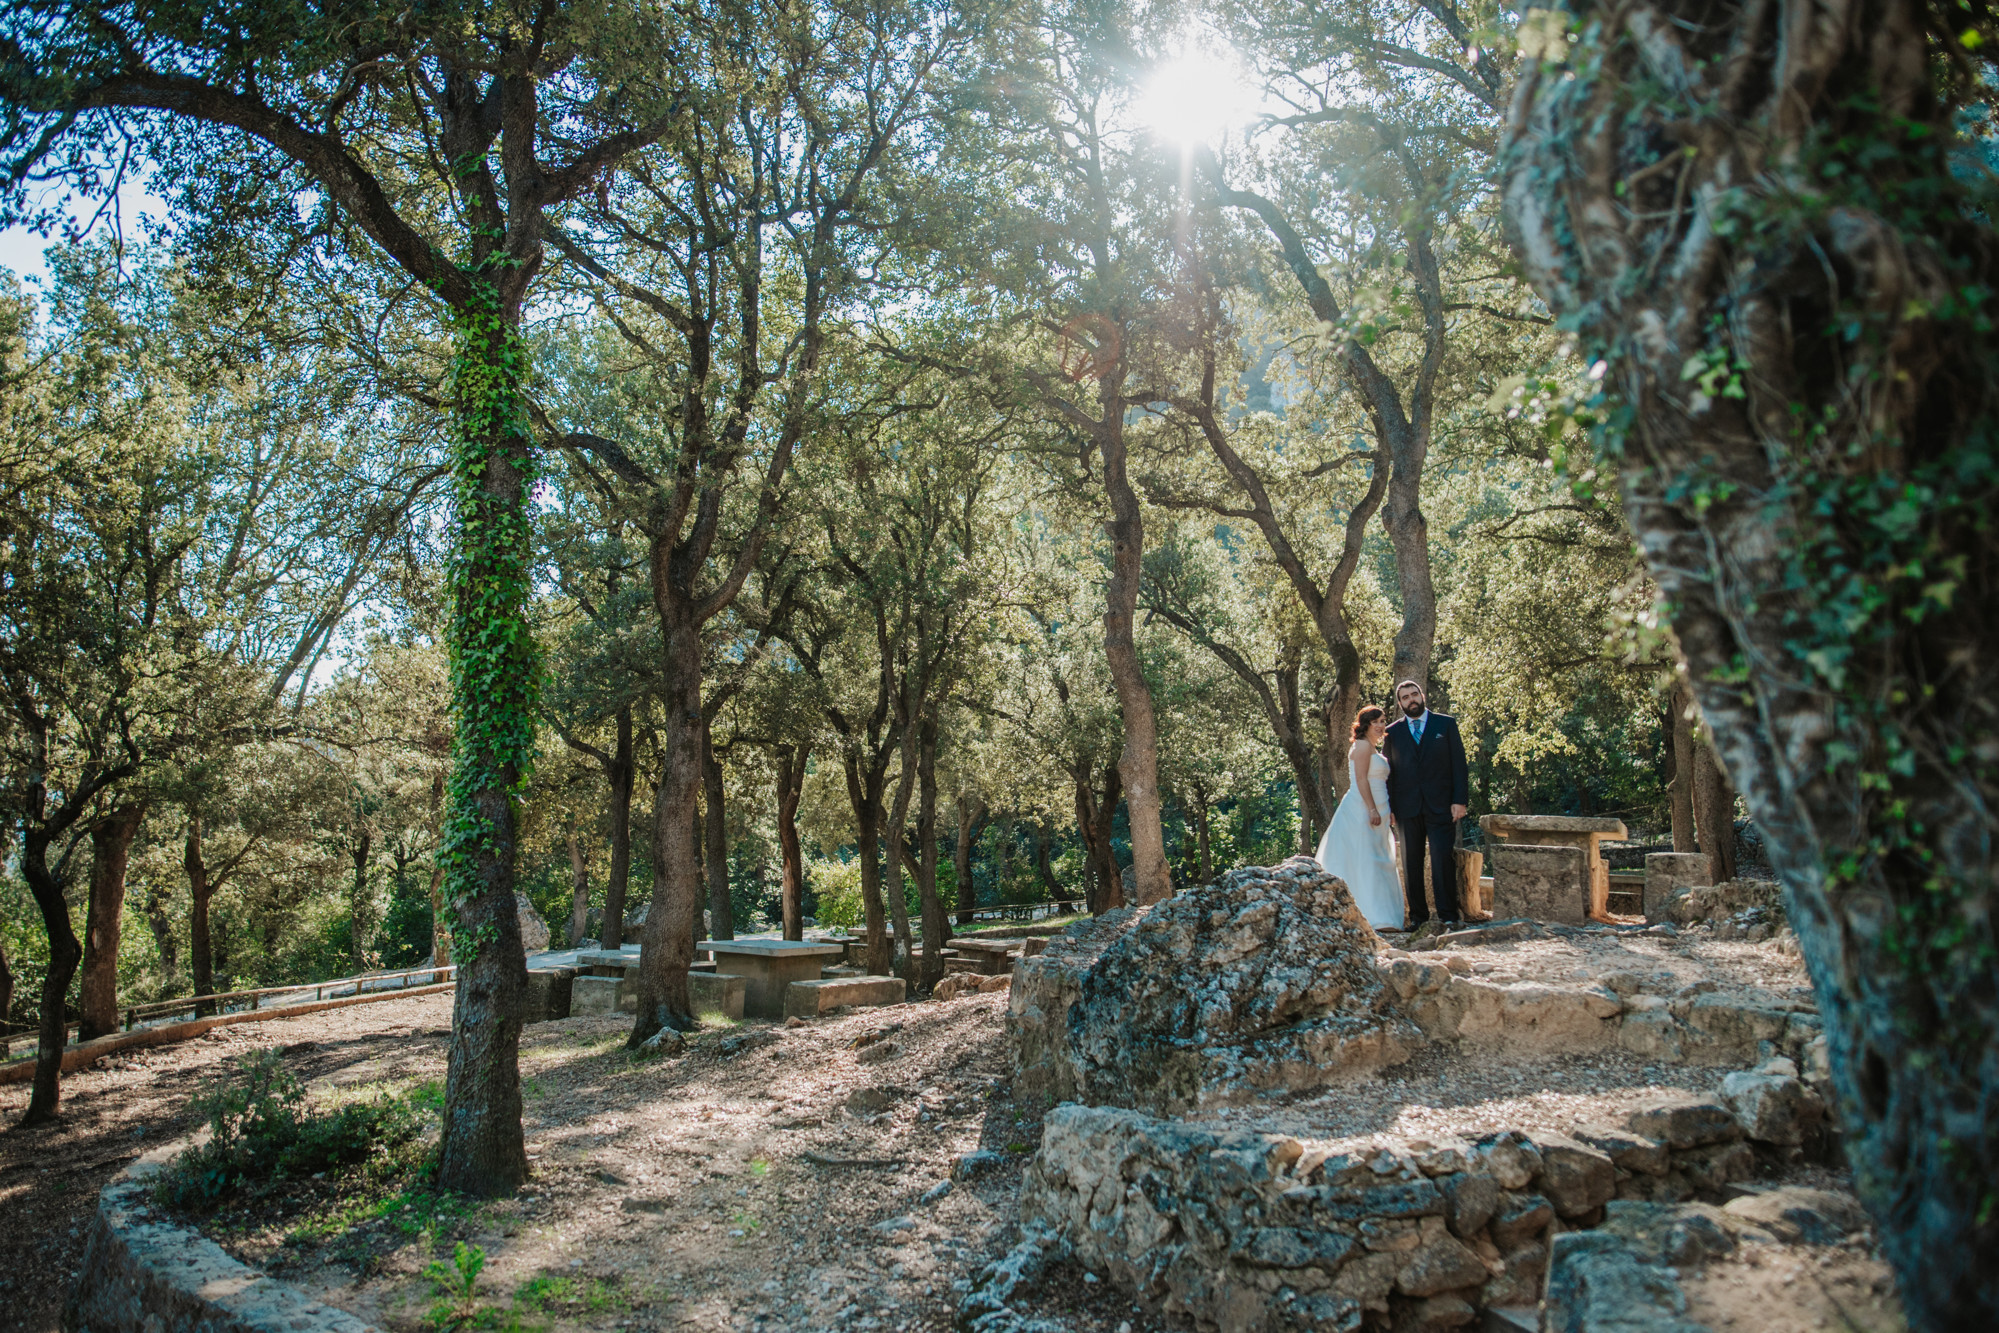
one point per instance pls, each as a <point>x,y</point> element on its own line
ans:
<point>1196,98</point>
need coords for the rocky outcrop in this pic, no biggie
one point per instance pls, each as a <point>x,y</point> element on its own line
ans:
<point>1262,981</point>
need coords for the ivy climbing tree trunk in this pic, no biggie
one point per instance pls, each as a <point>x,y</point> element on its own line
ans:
<point>493,674</point>
<point>1790,292</point>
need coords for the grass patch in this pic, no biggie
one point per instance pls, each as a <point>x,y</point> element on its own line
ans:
<point>410,1211</point>
<point>572,1295</point>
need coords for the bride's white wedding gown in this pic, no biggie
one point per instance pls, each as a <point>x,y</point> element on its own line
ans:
<point>1363,854</point>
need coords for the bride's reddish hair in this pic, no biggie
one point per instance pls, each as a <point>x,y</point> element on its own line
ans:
<point>1366,718</point>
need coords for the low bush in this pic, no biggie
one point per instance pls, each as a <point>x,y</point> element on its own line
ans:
<point>261,1132</point>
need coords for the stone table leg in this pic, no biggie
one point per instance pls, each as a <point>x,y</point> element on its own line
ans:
<point>765,979</point>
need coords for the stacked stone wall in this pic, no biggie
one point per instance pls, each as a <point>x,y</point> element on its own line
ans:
<point>1247,1231</point>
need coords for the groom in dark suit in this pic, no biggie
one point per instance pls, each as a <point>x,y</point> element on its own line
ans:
<point>1428,787</point>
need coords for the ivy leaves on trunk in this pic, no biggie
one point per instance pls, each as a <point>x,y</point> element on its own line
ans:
<point>1752,217</point>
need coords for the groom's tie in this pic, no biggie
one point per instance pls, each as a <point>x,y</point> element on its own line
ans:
<point>1416,727</point>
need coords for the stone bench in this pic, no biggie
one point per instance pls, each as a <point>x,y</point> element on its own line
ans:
<point>1585,834</point>
<point>809,999</point>
<point>707,993</point>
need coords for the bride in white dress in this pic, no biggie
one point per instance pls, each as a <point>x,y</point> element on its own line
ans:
<point>1359,845</point>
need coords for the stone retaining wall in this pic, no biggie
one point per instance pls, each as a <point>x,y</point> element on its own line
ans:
<point>1247,1231</point>
<point>143,1273</point>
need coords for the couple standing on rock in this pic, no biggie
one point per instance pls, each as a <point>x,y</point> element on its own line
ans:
<point>1418,776</point>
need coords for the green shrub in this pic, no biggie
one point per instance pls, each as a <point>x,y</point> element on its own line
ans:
<point>261,1130</point>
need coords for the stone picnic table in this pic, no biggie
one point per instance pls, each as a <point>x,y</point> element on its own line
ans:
<point>852,947</point>
<point>767,967</point>
<point>988,957</point>
<point>1580,831</point>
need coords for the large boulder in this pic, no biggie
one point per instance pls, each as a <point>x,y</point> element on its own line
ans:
<point>534,930</point>
<point>1262,981</point>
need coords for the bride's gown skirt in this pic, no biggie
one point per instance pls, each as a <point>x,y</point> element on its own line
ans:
<point>1363,854</point>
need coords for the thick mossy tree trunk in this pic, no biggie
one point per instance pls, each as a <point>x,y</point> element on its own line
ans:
<point>790,791</point>
<point>936,924</point>
<point>621,776</point>
<point>64,955</point>
<point>579,891</point>
<point>715,841</point>
<point>1749,214</point>
<point>666,941</point>
<point>1139,764</point>
<point>971,821</point>
<point>1680,727</point>
<point>110,854</point>
<point>493,675</point>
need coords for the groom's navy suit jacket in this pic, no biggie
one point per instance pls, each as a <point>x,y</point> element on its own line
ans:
<point>1430,778</point>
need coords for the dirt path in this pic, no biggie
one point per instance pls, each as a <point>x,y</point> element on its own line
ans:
<point>771,1177</point>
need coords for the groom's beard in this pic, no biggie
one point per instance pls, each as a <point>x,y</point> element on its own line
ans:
<point>1413,710</point>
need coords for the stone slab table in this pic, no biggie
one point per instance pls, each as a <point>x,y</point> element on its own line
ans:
<point>1580,831</point>
<point>767,967</point>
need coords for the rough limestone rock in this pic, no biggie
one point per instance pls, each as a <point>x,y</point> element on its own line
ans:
<point>1542,883</point>
<point>1773,1105</point>
<point>1596,1284</point>
<point>534,930</point>
<point>1684,1122</point>
<point>1795,1213</point>
<point>1037,1015</point>
<point>1262,981</point>
<point>1717,903</point>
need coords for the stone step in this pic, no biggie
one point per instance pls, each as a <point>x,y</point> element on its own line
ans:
<point>1511,1319</point>
<point>809,999</point>
<point>1625,902</point>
